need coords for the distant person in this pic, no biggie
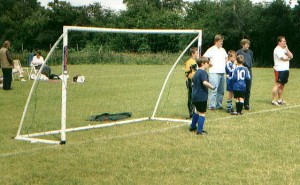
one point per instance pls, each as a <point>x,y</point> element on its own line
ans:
<point>18,68</point>
<point>248,62</point>
<point>6,65</point>
<point>200,95</point>
<point>190,69</point>
<point>282,56</point>
<point>218,57</point>
<point>38,61</point>
<point>230,66</point>
<point>239,78</point>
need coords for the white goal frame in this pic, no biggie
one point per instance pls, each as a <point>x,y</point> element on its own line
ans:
<point>66,29</point>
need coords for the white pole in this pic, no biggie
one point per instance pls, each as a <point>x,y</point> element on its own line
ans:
<point>168,76</point>
<point>34,84</point>
<point>200,43</point>
<point>64,87</point>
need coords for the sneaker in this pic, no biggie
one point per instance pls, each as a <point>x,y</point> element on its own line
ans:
<point>192,129</point>
<point>247,107</point>
<point>203,132</point>
<point>281,102</point>
<point>23,80</point>
<point>275,103</point>
<point>211,108</point>
<point>239,113</point>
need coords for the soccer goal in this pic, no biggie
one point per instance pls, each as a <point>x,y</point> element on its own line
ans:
<point>137,71</point>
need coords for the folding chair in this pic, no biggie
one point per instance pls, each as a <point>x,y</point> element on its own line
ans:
<point>33,72</point>
<point>18,69</point>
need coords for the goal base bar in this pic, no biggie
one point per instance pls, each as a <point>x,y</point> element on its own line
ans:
<point>30,137</point>
<point>37,140</point>
<point>171,120</point>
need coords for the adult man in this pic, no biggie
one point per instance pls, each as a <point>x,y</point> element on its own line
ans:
<point>282,57</point>
<point>218,57</point>
<point>6,65</point>
<point>248,62</point>
<point>190,68</point>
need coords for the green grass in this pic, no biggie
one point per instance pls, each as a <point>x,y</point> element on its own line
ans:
<point>260,147</point>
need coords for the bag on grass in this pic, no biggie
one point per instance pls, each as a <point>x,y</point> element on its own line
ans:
<point>110,117</point>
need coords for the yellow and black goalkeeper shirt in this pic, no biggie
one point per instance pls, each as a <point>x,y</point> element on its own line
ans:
<point>188,71</point>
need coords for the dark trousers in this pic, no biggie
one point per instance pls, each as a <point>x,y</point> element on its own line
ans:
<point>189,101</point>
<point>248,89</point>
<point>7,78</point>
<point>46,70</point>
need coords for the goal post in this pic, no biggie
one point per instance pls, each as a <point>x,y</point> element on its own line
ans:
<point>32,137</point>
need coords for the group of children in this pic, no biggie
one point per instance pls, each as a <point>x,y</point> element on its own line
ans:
<point>236,77</point>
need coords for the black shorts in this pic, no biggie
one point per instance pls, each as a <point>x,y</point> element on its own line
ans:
<point>239,94</point>
<point>201,106</point>
<point>281,77</point>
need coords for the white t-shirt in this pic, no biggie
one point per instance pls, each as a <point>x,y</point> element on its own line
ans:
<point>279,64</point>
<point>37,61</point>
<point>217,58</point>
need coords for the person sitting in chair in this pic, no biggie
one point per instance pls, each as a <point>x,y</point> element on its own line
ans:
<point>38,61</point>
<point>18,69</point>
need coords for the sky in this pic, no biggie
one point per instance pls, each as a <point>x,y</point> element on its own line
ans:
<point>118,5</point>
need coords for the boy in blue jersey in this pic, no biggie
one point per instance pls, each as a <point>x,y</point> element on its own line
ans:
<point>239,77</point>
<point>229,68</point>
<point>200,95</point>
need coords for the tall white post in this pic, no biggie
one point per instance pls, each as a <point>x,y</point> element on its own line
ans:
<point>200,43</point>
<point>64,87</point>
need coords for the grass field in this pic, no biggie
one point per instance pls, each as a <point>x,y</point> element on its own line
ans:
<point>260,147</point>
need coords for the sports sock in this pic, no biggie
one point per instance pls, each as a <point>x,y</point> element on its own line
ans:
<point>194,120</point>
<point>229,104</point>
<point>201,121</point>
<point>240,107</point>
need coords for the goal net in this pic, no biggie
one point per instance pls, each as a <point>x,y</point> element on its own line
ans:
<point>133,72</point>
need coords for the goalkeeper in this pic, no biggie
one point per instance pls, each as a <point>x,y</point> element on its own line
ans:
<point>190,69</point>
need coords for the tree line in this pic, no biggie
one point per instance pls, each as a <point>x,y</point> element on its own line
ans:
<point>30,26</point>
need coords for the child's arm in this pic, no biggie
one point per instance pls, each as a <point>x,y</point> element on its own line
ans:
<point>208,85</point>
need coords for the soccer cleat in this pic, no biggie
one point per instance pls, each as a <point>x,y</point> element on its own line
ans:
<point>275,103</point>
<point>234,113</point>
<point>229,110</point>
<point>239,113</point>
<point>281,102</point>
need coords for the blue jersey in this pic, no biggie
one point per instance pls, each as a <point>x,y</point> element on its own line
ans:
<point>229,68</point>
<point>200,91</point>
<point>239,77</point>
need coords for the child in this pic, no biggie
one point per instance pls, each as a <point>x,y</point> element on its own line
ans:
<point>200,95</point>
<point>239,77</point>
<point>229,68</point>
<point>190,69</point>
<point>248,62</point>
